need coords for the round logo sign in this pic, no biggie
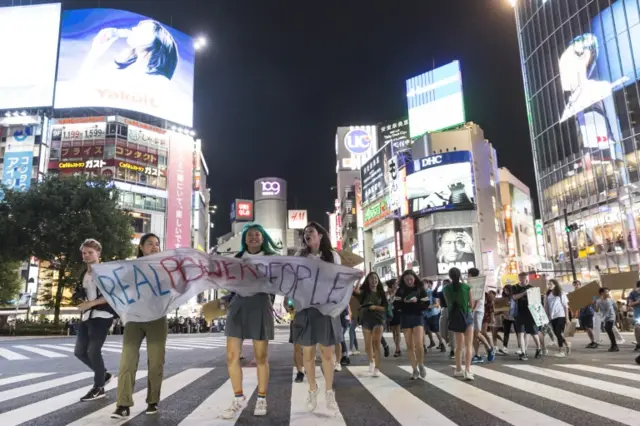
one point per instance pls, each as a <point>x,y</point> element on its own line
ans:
<point>357,141</point>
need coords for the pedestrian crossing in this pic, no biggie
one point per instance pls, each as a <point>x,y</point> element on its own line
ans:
<point>113,345</point>
<point>516,394</point>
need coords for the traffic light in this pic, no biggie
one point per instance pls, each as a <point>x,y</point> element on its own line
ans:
<point>571,228</point>
<point>290,303</point>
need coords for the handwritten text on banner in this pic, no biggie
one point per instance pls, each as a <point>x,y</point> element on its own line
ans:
<point>148,288</point>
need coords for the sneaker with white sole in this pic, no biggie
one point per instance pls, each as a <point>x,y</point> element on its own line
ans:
<point>560,355</point>
<point>332,405</point>
<point>337,367</point>
<point>376,372</point>
<point>312,400</point>
<point>458,373</point>
<point>261,407</point>
<point>237,405</point>
<point>422,370</point>
<point>468,376</point>
<point>372,366</point>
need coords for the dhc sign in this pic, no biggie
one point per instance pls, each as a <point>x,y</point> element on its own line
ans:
<point>440,159</point>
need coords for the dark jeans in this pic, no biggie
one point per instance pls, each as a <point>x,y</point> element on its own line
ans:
<point>558,329</point>
<point>91,336</point>
<point>506,326</point>
<point>608,327</point>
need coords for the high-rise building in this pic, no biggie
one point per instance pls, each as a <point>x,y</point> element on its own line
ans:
<point>579,63</point>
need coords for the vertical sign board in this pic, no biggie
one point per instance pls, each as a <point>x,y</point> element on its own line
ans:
<point>179,187</point>
<point>297,219</point>
<point>18,158</point>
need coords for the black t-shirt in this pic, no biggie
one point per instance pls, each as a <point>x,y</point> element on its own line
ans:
<point>523,303</point>
<point>440,295</point>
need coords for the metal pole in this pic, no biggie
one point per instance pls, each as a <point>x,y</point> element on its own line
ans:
<point>566,224</point>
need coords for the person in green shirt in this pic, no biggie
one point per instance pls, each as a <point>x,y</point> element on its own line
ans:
<point>459,302</point>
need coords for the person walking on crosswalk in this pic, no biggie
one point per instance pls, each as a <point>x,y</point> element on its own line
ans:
<point>525,323</point>
<point>311,328</point>
<point>412,300</point>
<point>373,311</point>
<point>97,317</point>
<point>556,304</point>
<point>459,303</point>
<point>250,318</point>
<point>134,333</point>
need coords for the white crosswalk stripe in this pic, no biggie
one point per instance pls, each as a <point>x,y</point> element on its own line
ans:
<point>390,396</point>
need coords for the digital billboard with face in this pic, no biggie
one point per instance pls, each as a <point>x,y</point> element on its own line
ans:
<point>455,249</point>
<point>435,100</point>
<point>29,46</point>
<point>441,182</point>
<point>118,59</point>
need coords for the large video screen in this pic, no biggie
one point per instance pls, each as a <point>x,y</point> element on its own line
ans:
<point>455,249</point>
<point>435,100</point>
<point>441,182</point>
<point>29,49</point>
<point>118,59</point>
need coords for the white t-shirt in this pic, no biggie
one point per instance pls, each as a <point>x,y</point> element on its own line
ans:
<point>92,294</point>
<point>557,305</point>
<point>336,257</point>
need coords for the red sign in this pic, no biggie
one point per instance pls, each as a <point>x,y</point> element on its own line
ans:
<point>244,210</point>
<point>179,188</point>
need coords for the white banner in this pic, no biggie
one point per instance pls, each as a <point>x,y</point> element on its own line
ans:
<point>148,288</point>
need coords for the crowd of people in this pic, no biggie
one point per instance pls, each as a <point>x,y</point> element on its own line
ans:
<point>411,307</point>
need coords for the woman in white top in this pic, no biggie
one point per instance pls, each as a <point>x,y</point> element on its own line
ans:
<point>557,306</point>
<point>311,328</point>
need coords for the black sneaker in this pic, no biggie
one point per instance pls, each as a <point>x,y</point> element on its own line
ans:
<point>614,349</point>
<point>107,378</point>
<point>442,347</point>
<point>345,361</point>
<point>152,409</point>
<point>452,354</point>
<point>431,345</point>
<point>523,357</point>
<point>387,351</point>
<point>93,394</point>
<point>637,347</point>
<point>121,413</point>
<point>299,377</point>
<point>538,354</point>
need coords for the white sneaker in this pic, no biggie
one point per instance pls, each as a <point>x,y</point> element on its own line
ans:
<point>376,372</point>
<point>458,373</point>
<point>545,351</point>
<point>422,370</point>
<point>236,407</point>
<point>312,400</point>
<point>261,407</point>
<point>332,405</point>
<point>560,355</point>
<point>372,366</point>
<point>356,352</point>
<point>468,376</point>
<point>338,367</point>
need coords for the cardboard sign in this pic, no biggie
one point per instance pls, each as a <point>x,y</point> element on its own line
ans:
<point>620,281</point>
<point>583,297</point>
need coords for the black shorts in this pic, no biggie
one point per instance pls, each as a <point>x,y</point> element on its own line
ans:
<point>432,324</point>
<point>411,321</point>
<point>526,325</point>
<point>586,322</point>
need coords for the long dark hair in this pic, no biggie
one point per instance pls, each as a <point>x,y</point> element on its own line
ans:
<point>365,289</point>
<point>557,289</point>
<point>143,240</point>
<point>419,285</point>
<point>326,252</point>
<point>454,274</point>
<point>507,291</point>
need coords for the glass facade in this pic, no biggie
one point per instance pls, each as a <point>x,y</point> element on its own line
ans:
<point>581,65</point>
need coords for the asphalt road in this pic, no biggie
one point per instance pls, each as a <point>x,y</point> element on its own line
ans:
<point>591,387</point>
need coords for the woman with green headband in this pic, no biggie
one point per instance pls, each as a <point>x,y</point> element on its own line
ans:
<point>250,318</point>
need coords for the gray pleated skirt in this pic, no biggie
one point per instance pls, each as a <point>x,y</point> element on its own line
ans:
<point>371,319</point>
<point>250,318</point>
<point>311,328</point>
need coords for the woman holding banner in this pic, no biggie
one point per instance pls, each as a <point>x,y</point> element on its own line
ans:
<point>311,328</point>
<point>134,333</point>
<point>250,318</point>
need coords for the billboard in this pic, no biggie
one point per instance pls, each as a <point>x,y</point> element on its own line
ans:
<point>29,46</point>
<point>355,145</point>
<point>18,158</point>
<point>297,219</point>
<point>435,100</point>
<point>179,184</point>
<point>455,248</point>
<point>242,210</point>
<point>376,211</point>
<point>270,188</point>
<point>396,133</point>
<point>374,175</point>
<point>441,182</point>
<point>117,59</point>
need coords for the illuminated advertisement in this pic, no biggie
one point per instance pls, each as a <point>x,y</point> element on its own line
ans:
<point>79,131</point>
<point>179,184</point>
<point>118,59</point>
<point>297,219</point>
<point>18,158</point>
<point>383,233</point>
<point>269,189</point>
<point>395,133</point>
<point>144,134</point>
<point>441,182</point>
<point>408,240</point>
<point>376,211</point>
<point>29,46</point>
<point>242,210</point>
<point>355,145</point>
<point>374,175</point>
<point>384,253</point>
<point>435,100</point>
<point>454,249</point>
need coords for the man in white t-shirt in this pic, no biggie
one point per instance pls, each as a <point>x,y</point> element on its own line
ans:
<point>97,317</point>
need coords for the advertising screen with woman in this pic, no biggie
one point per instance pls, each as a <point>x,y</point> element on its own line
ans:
<point>118,59</point>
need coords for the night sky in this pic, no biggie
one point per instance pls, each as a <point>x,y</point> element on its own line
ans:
<point>279,76</point>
